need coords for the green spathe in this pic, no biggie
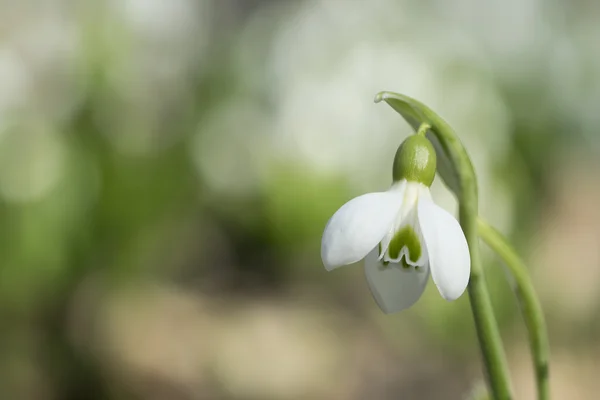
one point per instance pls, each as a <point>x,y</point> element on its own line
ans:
<point>415,161</point>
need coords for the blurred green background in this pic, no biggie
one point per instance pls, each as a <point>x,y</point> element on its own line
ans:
<point>167,168</point>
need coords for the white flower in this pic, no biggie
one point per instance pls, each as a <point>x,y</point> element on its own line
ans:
<point>403,236</point>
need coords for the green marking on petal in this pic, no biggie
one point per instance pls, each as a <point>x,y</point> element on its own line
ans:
<point>405,264</point>
<point>405,237</point>
<point>385,263</point>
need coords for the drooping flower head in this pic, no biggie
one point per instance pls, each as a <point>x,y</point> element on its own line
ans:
<point>401,234</point>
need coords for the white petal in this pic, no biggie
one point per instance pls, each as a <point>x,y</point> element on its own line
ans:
<point>393,287</point>
<point>358,226</point>
<point>447,248</point>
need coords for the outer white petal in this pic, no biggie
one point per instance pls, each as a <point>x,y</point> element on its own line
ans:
<point>393,287</point>
<point>449,258</point>
<point>358,226</point>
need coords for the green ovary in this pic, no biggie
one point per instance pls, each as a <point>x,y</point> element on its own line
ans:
<point>405,237</point>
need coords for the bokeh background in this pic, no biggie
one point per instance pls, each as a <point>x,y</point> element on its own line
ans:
<point>167,168</point>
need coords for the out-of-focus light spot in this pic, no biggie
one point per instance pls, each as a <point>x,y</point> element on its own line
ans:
<point>329,120</point>
<point>45,42</point>
<point>15,81</point>
<point>50,46</point>
<point>166,37</point>
<point>161,18</point>
<point>326,69</point>
<point>157,49</point>
<point>513,28</point>
<point>31,162</point>
<point>231,149</point>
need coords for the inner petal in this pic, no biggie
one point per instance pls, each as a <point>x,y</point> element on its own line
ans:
<point>405,241</point>
<point>404,247</point>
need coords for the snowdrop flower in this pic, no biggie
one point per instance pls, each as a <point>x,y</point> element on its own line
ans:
<point>401,234</point>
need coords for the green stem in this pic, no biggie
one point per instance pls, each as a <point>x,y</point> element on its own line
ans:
<point>481,305</point>
<point>457,171</point>
<point>530,306</point>
<point>422,131</point>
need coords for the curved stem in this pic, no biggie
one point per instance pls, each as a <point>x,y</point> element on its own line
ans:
<point>457,171</point>
<point>422,131</point>
<point>530,306</point>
